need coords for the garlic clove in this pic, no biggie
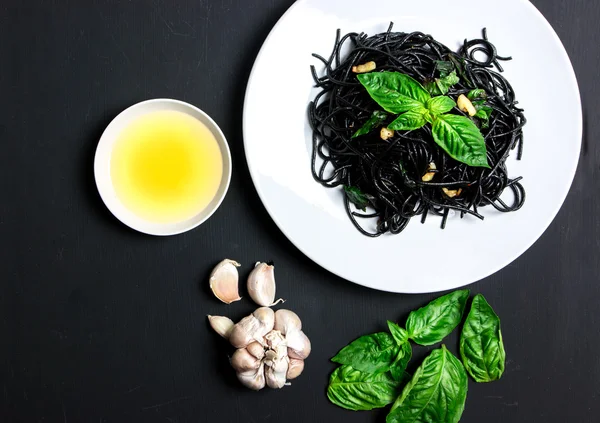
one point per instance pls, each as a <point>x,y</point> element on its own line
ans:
<point>252,328</point>
<point>241,333</point>
<point>286,320</point>
<point>253,379</point>
<point>276,372</point>
<point>261,285</point>
<point>266,317</point>
<point>365,67</point>
<point>298,344</point>
<point>386,133</point>
<point>429,175</point>
<point>224,281</point>
<point>256,349</point>
<point>465,105</point>
<point>243,361</point>
<point>295,368</point>
<point>222,325</point>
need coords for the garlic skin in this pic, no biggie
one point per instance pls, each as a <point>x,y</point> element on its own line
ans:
<point>249,369</point>
<point>256,349</point>
<point>252,328</point>
<point>298,345</point>
<point>290,325</point>
<point>253,379</point>
<point>276,360</point>
<point>243,361</point>
<point>276,372</point>
<point>222,325</point>
<point>224,281</point>
<point>276,344</point>
<point>295,368</point>
<point>287,320</point>
<point>261,285</point>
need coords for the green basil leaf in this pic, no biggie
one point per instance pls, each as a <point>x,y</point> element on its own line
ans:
<point>481,346</point>
<point>376,119</point>
<point>394,91</point>
<point>432,88</point>
<point>357,197</point>
<point>444,68</point>
<point>459,64</point>
<point>436,393</point>
<point>355,390</point>
<point>440,86</point>
<point>373,353</point>
<point>440,104</point>
<point>461,139</point>
<point>399,334</point>
<point>429,117</point>
<point>409,121</point>
<point>446,82</point>
<point>477,93</point>
<point>430,324</point>
<point>484,113</point>
<point>398,368</point>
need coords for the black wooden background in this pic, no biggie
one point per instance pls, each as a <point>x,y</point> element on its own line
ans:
<point>102,324</point>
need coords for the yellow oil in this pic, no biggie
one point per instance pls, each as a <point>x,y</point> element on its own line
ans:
<point>166,167</point>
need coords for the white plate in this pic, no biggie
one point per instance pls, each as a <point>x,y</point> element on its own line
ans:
<point>103,157</point>
<point>423,258</point>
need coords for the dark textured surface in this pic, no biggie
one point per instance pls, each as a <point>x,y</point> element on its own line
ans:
<point>101,324</point>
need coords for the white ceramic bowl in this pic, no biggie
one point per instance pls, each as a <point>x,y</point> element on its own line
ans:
<point>102,167</point>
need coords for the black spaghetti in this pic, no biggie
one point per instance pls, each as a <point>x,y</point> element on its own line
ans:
<point>408,174</point>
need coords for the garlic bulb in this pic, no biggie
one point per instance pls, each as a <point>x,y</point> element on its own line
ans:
<point>271,347</point>
<point>261,285</point>
<point>224,281</point>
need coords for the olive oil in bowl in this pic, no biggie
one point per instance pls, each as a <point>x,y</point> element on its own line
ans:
<point>166,167</point>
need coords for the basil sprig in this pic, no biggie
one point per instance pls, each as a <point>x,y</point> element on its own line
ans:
<point>398,93</point>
